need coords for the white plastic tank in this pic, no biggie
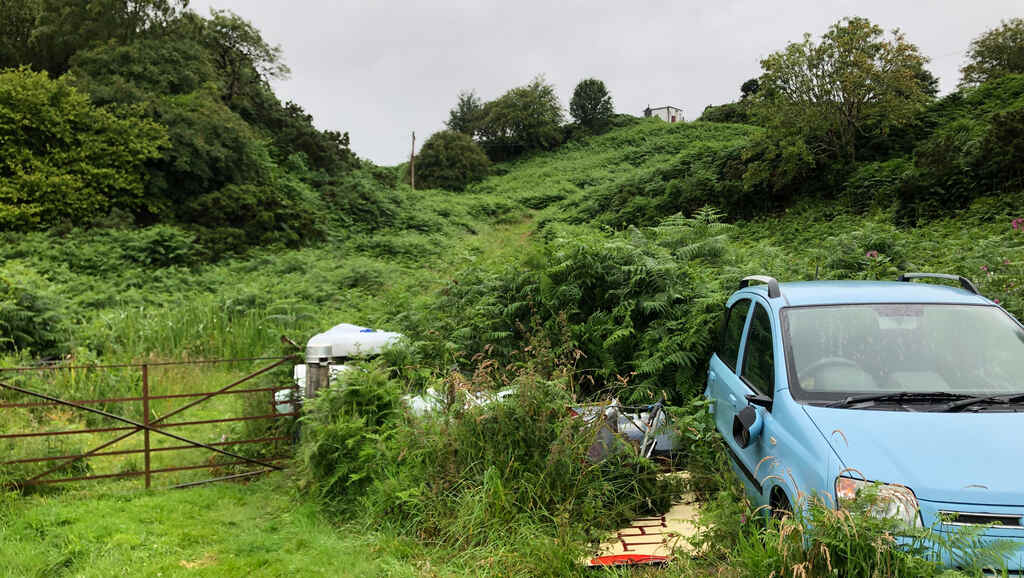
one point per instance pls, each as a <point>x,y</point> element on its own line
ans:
<point>347,340</point>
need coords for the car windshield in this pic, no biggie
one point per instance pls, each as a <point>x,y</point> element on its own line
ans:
<point>849,350</point>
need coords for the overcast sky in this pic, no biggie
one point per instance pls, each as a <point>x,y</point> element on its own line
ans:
<point>380,70</point>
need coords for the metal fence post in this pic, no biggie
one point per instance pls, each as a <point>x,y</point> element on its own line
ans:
<point>145,417</point>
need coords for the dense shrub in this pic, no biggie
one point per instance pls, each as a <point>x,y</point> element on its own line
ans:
<point>450,160</point>
<point>64,160</point>
<point>31,313</point>
<point>237,218</point>
<point>1001,159</point>
<point>469,476</point>
<point>874,185</point>
<point>738,112</point>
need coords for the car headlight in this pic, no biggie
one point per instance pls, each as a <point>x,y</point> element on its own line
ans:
<point>891,501</point>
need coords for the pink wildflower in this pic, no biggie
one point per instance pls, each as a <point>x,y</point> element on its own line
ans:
<point>871,254</point>
<point>984,267</point>
<point>996,301</point>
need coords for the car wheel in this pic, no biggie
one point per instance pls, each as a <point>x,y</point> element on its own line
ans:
<point>780,504</point>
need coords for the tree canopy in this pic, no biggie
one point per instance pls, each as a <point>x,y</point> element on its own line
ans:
<point>465,117</point>
<point>63,159</point>
<point>57,29</point>
<point>591,105</point>
<point>525,119</point>
<point>161,114</point>
<point>995,53</point>
<point>857,81</point>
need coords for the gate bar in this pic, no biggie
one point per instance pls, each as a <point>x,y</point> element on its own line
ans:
<point>151,398</point>
<point>153,450</point>
<point>220,479</point>
<point>163,426</point>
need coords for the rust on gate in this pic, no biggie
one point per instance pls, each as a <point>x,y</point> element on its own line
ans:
<point>150,426</point>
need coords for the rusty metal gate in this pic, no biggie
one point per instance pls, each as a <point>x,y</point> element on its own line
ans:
<point>22,435</point>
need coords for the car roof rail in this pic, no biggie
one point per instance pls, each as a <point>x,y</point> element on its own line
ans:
<point>964,281</point>
<point>773,285</point>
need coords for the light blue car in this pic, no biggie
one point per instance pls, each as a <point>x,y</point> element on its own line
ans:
<point>828,386</point>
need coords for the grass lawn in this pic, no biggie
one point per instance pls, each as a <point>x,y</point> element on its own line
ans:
<point>226,529</point>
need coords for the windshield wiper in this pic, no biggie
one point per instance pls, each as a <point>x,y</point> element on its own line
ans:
<point>964,403</point>
<point>899,396</point>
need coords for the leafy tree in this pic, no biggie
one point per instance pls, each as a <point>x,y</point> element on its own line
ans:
<point>64,160</point>
<point>928,82</point>
<point>63,27</point>
<point>245,64</point>
<point>151,68</point>
<point>143,70</point>
<point>450,160</point>
<point>524,119</point>
<point>995,53</point>
<point>591,105</point>
<point>293,132</point>
<point>749,88</point>
<point>856,82</point>
<point>210,147</point>
<point>465,117</point>
<point>17,20</point>
<point>242,57</point>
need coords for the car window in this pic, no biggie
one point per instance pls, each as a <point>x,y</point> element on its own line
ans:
<point>735,318</point>
<point>842,350</point>
<point>758,355</point>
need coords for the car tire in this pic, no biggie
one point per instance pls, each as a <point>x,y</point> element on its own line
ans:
<point>780,504</point>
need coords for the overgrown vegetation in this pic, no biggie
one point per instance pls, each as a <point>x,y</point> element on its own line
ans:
<point>581,269</point>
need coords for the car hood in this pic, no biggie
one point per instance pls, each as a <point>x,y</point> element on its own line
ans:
<point>970,458</point>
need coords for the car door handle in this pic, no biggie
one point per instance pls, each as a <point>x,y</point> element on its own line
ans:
<point>712,376</point>
<point>732,399</point>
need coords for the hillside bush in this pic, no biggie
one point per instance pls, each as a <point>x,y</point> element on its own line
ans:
<point>64,160</point>
<point>31,313</point>
<point>737,112</point>
<point>450,160</point>
<point>875,185</point>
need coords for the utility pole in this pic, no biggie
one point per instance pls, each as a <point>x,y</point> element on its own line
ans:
<point>412,162</point>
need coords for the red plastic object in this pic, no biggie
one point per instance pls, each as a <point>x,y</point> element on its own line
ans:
<point>629,560</point>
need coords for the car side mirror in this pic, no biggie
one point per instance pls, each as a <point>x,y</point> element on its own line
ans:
<point>759,400</point>
<point>746,426</point>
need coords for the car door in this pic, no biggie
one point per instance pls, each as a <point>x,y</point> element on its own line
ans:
<point>752,374</point>
<point>723,371</point>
